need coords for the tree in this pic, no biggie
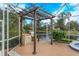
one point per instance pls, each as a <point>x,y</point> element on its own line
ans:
<point>73,25</point>
<point>60,21</point>
<point>26,26</point>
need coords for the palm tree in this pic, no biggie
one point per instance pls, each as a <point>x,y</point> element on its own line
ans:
<point>61,21</point>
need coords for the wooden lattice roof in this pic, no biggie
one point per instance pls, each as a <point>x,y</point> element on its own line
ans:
<point>40,13</point>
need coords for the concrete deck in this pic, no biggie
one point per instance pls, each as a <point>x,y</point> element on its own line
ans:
<point>45,49</point>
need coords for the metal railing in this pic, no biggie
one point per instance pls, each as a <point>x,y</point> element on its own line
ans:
<point>10,38</point>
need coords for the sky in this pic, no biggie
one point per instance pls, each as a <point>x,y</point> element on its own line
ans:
<point>53,8</point>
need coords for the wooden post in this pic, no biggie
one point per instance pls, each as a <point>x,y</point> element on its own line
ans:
<point>38,29</point>
<point>21,30</point>
<point>34,42</point>
<point>50,31</point>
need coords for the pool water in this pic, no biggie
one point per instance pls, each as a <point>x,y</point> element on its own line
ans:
<point>77,44</point>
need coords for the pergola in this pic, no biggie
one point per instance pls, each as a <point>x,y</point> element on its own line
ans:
<point>36,14</point>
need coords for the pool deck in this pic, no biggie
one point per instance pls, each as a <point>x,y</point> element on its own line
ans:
<point>45,49</point>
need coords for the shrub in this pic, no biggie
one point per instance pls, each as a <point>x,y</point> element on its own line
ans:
<point>58,34</point>
<point>65,40</point>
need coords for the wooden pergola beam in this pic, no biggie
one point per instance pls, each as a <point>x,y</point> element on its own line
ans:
<point>30,13</point>
<point>30,16</point>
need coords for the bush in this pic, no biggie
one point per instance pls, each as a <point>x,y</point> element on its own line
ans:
<point>65,40</point>
<point>58,34</point>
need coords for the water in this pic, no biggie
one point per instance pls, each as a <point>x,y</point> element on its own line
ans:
<point>77,44</point>
<point>74,37</point>
<point>44,37</point>
<point>78,37</point>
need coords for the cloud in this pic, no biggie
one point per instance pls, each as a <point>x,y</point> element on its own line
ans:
<point>74,13</point>
<point>73,4</point>
<point>46,21</point>
<point>22,5</point>
<point>1,5</point>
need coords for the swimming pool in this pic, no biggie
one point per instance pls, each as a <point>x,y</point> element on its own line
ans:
<point>75,45</point>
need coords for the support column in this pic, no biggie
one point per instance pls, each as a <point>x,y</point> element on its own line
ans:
<point>20,30</point>
<point>7,31</point>
<point>68,17</point>
<point>68,28</point>
<point>47,32</point>
<point>3,32</point>
<point>38,29</point>
<point>51,30</point>
<point>32,25</point>
<point>34,42</point>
